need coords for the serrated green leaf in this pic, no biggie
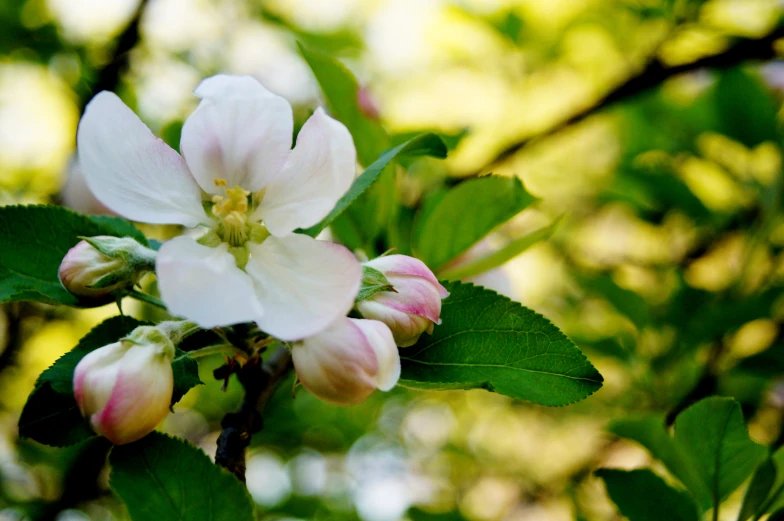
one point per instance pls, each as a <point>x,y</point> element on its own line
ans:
<point>425,144</point>
<point>160,477</point>
<point>33,242</point>
<point>51,415</point>
<point>649,431</point>
<point>465,215</point>
<point>759,488</point>
<point>488,341</point>
<point>500,256</point>
<point>641,495</point>
<point>714,437</point>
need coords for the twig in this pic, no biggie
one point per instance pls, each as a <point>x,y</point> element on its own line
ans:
<point>260,381</point>
<point>110,75</point>
<point>656,73</point>
<point>144,297</point>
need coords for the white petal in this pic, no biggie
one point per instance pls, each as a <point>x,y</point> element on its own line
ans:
<point>131,171</point>
<point>240,132</point>
<point>318,172</point>
<point>303,284</point>
<point>204,284</point>
<point>380,338</point>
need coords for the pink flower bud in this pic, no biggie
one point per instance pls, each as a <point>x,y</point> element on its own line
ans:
<point>98,266</point>
<point>367,103</point>
<point>414,307</point>
<point>125,389</point>
<point>349,360</point>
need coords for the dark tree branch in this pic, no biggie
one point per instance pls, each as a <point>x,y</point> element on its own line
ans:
<point>656,73</point>
<point>260,381</point>
<point>108,78</point>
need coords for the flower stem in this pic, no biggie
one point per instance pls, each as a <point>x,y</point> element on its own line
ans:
<point>216,348</point>
<point>144,297</point>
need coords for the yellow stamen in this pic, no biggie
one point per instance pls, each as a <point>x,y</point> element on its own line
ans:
<point>219,181</point>
<point>232,211</point>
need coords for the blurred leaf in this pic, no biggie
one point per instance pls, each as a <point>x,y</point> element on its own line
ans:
<point>768,363</point>
<point>501,256</point>
<point>626,301</point>
<point>416,514</point>
<point>759,488</point>
<point>649,431</point>
<point>33,242</point>
<point>51,415</point>
<point>340,89</point>
<point>422,145</point>
<point>160,477</point>
<point>753,121</point>
<point>714,437</point>
<point>465,215</point>
<point>641,495</point>
<point>487,341</point>
<point>451,140</point>
<point>775,500</point>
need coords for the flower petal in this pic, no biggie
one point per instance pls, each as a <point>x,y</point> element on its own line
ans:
<point>318,172</point>
<point>380,338</point>
<point>204,284</point>
<point>303,284</point>
<point>240,132</point>
<point>140,398</point>
<point>131,171</point>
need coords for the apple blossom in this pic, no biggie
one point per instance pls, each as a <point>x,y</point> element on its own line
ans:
<point>347,361</point>
<point>415,304</point>
<point>98,266</point>
<point>125,389</point>
<point>236,149</point>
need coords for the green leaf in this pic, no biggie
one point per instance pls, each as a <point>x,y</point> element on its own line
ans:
<point>488,341</point>
<point>759,488</point>
<point>340,89</point>
<point>33,242</point>
<point>641,495</point>
<point>714,437</point>
<point>465,215</point>
<point>373,281</point>
<point>51,415</point>
<point>423,145</point>
<point>501,256</point>
<point>757,120</point>
<point>649,431</point>
<point>160,477</point>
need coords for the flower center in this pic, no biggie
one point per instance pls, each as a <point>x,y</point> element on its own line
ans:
<point>231,211</point>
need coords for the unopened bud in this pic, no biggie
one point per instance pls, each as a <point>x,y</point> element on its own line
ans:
<point>346,362</point>
<point>124,389</point>
<point>99,266</point>
<point>367,103</point>
<point>415,305</point>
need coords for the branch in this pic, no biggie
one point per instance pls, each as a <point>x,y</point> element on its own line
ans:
<point>260,381</point>
<point>656,73</point>
<point>109,76</point>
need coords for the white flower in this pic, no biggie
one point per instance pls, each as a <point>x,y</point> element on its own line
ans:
<point>236,148</point>
<point>347,361</point>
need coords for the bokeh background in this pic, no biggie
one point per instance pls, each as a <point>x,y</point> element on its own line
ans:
<point>665,268</point>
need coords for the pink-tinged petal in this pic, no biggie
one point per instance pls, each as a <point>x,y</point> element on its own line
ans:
<point>140,398</point>
<point>338,365</point>
<point>318,172</point>
<point>240,132</point>
<point>95,372</point>
<point>380,338</point>
<point>131,171</point>
<point>415,295</point>
<point>406,328</point>
<point>303,284</point>
<point>204,284</point>
<point>405,265</point>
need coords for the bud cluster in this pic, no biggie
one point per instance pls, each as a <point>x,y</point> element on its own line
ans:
<point>400,300</point>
